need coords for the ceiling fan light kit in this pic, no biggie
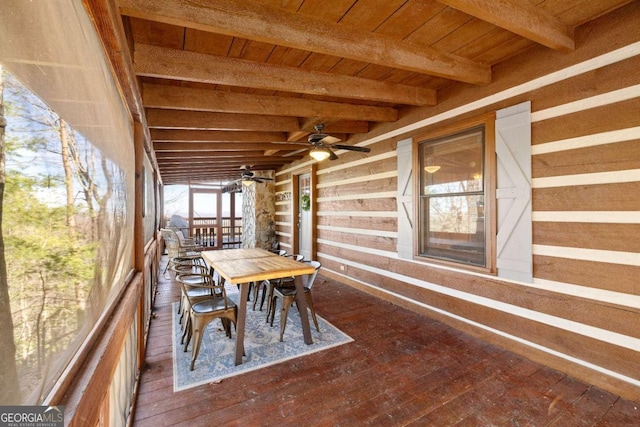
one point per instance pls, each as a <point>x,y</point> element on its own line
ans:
<point>323,144</point>
<point>319,154</point>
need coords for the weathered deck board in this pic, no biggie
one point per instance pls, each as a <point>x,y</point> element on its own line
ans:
<point>402,369</point>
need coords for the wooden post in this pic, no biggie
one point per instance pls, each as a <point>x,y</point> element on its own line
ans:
<point>138,235</point>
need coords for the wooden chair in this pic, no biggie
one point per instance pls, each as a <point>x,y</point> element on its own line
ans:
<point>288,296</point>
<point>202,312</point>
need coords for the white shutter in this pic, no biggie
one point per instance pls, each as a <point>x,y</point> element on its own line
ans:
<point>513,193</point>
<point>404,152</point>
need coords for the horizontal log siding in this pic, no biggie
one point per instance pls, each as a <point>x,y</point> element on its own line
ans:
<point>611,277</point>
<point>582,311</point>
<point>553,332</point>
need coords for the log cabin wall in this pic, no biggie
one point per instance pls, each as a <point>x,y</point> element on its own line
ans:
<point>580,313</point>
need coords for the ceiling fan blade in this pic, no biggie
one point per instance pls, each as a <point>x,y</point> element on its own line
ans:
<point>352,148</point>
<point>329,140</point>
<point>293,153</point>
<point>332,156</point>
<point>232,188</point>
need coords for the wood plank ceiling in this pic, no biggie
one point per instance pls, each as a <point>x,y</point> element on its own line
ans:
<point>228,83</point>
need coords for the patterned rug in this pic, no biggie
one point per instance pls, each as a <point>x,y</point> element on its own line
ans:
<point>261,342</point>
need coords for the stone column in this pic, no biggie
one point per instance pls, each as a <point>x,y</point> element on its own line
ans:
<point>258,213</point>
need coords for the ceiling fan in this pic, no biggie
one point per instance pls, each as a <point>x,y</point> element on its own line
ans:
<point>324,144</point>
<point>248,175</point>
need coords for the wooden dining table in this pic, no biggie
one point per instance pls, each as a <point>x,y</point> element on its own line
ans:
<point>243,266</point>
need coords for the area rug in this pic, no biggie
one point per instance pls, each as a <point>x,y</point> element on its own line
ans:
<point>261,343</point>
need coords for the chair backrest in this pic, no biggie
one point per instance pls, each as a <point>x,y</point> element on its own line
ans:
<point>295,257</point>
<point>310,278</point>
<point>171,242</point>
<point>168,235</point>
<point>180,236</point>
<point>218,290</point>
<point>184,268</point>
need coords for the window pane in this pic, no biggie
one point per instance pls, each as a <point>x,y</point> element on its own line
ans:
<point>452,165</point>
<point>452,225</point>
<point>454,228</point>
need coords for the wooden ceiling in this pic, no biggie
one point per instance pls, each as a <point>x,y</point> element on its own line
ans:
<point>228,83</point>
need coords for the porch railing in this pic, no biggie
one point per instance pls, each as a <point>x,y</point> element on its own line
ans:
<point>205,231</point>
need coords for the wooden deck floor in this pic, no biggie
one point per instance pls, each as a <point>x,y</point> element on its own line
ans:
<point>402,369</point>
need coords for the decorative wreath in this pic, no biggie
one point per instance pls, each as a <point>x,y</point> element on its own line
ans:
<point>305,202</point>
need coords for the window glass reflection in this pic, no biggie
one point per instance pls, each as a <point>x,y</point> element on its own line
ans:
<point>452,198</point>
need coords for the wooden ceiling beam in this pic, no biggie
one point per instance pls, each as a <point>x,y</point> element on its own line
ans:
<point>223,176</point>
<point>219,169</point>
<point>186,179</point>
<point>257,21</point>
<point>186,155</point>
<point>226,174</point>
<point>522,18</point>
<point>333,127</point>
<point>195,167</point>
<point>189,135</point>
<point>195,99</point>
<point>230,172</point>
<point>224,147</point>
<point>179,119</point>
<point>219,154</point>
<point>159,62</point>
<point>178,159</point>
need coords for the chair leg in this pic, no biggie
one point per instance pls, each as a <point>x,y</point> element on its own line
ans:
<point>265,286</point>
<point>181,310</point>
<point>198,328</point>
<point>187,334</point>
<point>255,295</point>
<point>270,298</point>
<point>309,300</point>
<point>229,319</point>
<point>256,290</point>
<point>271,309</point>
<point>284,314</point>
<point>226,325</point>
